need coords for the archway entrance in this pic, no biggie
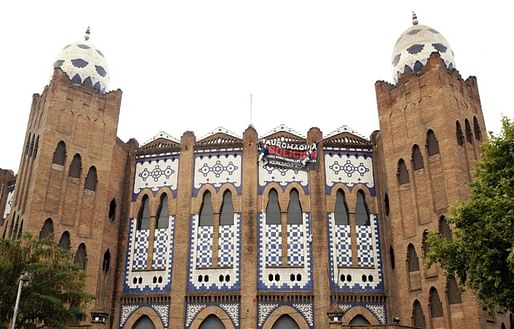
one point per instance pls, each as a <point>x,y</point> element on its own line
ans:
<point>212,322</point>
<point>144,322</point>
<point>285,322</point>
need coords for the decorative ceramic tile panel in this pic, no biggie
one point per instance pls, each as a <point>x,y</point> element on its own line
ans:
<point>342,241</point>
<point>217,169</point>
<point>264,310</point>
<point>160,248</point>
<point>365,246</point>
<point>140,250</point>
<point>282,176</point>
<point>204,246</point>
<point>9,203</point>
<point>226,246</point>
<point>273,245</point>
<point>232,310</point>
<point>378,310</point>
<point>295,244</point>
<point>156,173</point>
<point>161,309</point>
<point>349,168</point>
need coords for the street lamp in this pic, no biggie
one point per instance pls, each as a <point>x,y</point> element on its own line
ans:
<point>23,278</point>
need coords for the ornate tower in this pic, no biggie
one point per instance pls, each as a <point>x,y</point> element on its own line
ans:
<point>431,126</point>
<point>71,175</point>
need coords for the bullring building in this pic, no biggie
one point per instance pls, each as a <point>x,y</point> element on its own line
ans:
<point>281,229</point>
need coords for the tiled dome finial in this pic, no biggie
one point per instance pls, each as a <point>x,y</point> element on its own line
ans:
<point>87,34</point>
<point>414,18</point>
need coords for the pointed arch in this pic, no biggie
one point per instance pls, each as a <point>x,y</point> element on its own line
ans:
<point>432,143</point>
<point>76,166</point>
<point>143,217</point>
<point>81,256</point>
<point>145,311</point>
<point>469,132</point>
<point>294,208</point>
<point>144,322</point>
<point>273,208</point>
<point>64,241</point>
<point>285,310</point>
<point>459,134</point>
<point>91,179</point>
<point>212,311</point>
<point>417,158</point>
<point>418,318</point>
<point>402,173</point>
<point>362,311</point>
<point>163,214</point>
<point>476,128</point>
<point>444,228</point>
<point>436,308</point>
<point>106,262</point>
<point>359,320</point>
<point>47,231</point>
<point>59,154</point>
<point>285,322</point>
<point>112,210</point>
<point>212,322</point>
<point>453,291</point>
<point>227,209</point>
<point>206,210</point>
<point>361,210</point>
<point>412,259</point>
<point>341,209</point>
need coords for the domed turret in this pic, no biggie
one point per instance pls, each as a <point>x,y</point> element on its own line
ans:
<point>414,47</point>
<point>84,64</point>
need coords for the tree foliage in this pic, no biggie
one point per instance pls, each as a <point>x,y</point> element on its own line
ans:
<point>55,294</point>
<point>481,254</point>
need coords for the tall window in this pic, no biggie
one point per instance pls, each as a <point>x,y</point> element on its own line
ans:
<point>106,263</point>
<point>402,173</point>
<point>432,143</point>
<point>76,166</point>
<point>91,179</point>
<point>361,210</point>
<point>163,215</point>
<point>206,211</point>
<point>227,209</point>
<point>47,231</point>
<point>412,259</point>
<point>453,291</point>
<point>444,228</point>
<point>436,309</point>
<point>143,217</point>
<point>36,146</point>
<point>418,318</point>
<point>60,154</point>
<point>387,208</point>
<point>112,210</point>
<point>64,241</point>
<point>459,133</point>
<point>478,131</point>
<point>81,256</point>
<point>417,158</point>
<point>424,243</point>
<point>469,133</point>
<point>294,209</point>
<point>341,210</point>
<point>273,208</point>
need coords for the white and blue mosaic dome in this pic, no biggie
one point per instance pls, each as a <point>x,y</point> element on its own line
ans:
<point>84,64</point>
<point>414,47</point>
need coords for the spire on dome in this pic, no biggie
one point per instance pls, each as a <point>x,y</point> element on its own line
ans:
<point>87,34</point>
<point>414,18</point>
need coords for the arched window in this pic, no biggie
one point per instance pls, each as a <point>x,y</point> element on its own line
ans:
<point>27,145</point>
<point>143,217</point>
<point>36,147</point>
<point>424,242</point>
<point>20,230</point>
<point>206,210</point>
<point>453,291</point>
<point>47,231</point>
<point>341,210</point>
<point>392,257</point>
<point>285,322</point>
<point>64,241</point>
<point>31,150</point>
<point>432,143</point>
<point>81,256</point>
<point>106,263</point>
<point>436,309</point>
<point>476,127</point>
<point>402,173</point>
<point>459,133</point>
<point>359,320</point>
<point>143,322</point>
<point>412,258</point>
<point>227,209</point>
<point>212,322</point>
<point>418,318</point>
<point>361,210</point>
<point>469,133</point>
<point>294,209</point>
<point>76,166</point>
<point>163,215</point>
<point>91,179</point>
<point>444,228</point>
<point>60,154</point>
<point>112,210</point>
<point>387,207</point>
<point>417,158</point>
<point>273,208</point>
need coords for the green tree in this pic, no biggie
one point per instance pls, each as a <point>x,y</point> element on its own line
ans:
<point>55,294</point>
<point>481,253</point>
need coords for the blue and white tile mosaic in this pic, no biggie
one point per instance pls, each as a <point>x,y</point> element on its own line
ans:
<point>232,310</point>
<point>264,310</point>
<point>282,176</point>
<point>162,310</point>
<point>217,169</point>
<point>138,278</point>
<point>226,275</point>
<point>9,203</point>
<point>368,276</point>
<point>156,173</point>
<point>272,273</point>
<point>349,168</point>
<point>378,310</point>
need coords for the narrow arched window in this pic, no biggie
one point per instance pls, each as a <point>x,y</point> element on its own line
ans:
<point>361,210</point>
<point>469,133</point>
<point>91,179</point>
<point>59,154</point>
<point>36,146</point>
<point>144,322</point>
<point>453,291</point>
<point>294,209</point>
<point>206,210</point>
<point>47,231</point>
<point>143,217</point>
<point>444,228</point>
<point>424,242</point>
<point>432,143</point>
<point>418,318</point>
<point>392,257</point>
<point>163,215</point>
<point>20,230</point>
<point>459,133</point>
<point>402,173</point>
<point>81,256</point>
<point>32,142</point>
<point>476,127</point>
<point>341,210</point>
<point>436,308</point>
<point>273,208</point>
<point>227,209</point>
<point>106,263</point>
<point>387,208</point>
<point>27,145</point>
<point>76,166</point>
<point>417,158</point>
<point>412,259</point>
<point>64,241</point>
<point>112,210</point>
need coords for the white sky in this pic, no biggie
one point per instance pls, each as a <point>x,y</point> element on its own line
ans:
<point>192,65</point>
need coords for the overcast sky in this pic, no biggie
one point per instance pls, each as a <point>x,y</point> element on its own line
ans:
<point>192,65</point>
